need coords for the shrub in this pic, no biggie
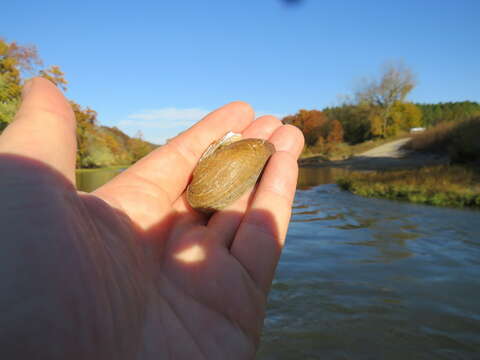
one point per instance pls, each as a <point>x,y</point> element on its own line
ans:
<point>461,141</point>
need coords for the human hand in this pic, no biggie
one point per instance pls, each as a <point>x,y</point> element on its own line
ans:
<point>131,271</point>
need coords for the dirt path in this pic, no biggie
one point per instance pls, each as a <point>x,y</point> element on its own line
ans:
<point>383,157</point>
<point>392,149</point>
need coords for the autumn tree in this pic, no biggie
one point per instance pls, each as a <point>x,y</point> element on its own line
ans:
<point>17,61</point>
<point>14,61</point>
<point>335,133</point>
<point>86,120</point>
<point>404,116</point>
<point>97,145</point>
<point>310,122</point>
<point>380,95</point>
<point>55,75</point>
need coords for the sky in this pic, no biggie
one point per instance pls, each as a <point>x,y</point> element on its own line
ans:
<point>159,66</point>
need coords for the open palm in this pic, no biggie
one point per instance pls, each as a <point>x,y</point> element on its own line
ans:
<point>131,271</point>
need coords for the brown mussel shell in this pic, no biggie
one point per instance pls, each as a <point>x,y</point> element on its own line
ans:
<point>222,177</point>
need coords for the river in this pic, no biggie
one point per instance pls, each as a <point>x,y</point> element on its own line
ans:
<point>369,278</point>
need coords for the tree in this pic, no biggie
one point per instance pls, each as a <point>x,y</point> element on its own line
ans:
<point>86,120</point>
<point>404,116</point>
<point>55,75</point>
<point>310,122</point>
<point>354,119</point>
<point>97,145</point>
<point>137,147</point>
<point>9,101</point>
<point>14,60</point>
<point>335,134</point>
<point>395,83</point>
<point>450,111</point>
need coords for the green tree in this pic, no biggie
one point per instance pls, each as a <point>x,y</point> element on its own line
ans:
<point>9,101</point>
<point>434,114</point>
<point>138,147</point>
<point>355,121</point>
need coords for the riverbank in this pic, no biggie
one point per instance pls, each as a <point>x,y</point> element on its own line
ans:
<point>395,171</point>
<point>444,185</point>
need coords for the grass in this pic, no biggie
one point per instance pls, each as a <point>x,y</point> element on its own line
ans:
<point>456,186</point>
<point>460,140</point>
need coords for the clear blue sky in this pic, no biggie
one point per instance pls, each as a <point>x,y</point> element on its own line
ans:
<point>159,65</point>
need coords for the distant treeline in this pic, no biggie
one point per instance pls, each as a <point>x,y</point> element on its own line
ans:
<point>98,146</point>
<point>356,120</point>
<point>354,124</point>
<point>433,114</point>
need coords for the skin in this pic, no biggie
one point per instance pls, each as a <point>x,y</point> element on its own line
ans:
<point>130,271</point>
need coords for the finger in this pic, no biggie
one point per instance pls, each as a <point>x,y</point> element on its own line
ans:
<point>161,177</point>
<point>44,128</point>
<point>225,222</point>
<point>262,128</point>
<point>261,235</point>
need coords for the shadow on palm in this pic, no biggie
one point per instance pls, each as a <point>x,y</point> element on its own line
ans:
<point>172,277</point>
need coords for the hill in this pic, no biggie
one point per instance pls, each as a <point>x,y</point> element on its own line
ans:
<point>98,146</point>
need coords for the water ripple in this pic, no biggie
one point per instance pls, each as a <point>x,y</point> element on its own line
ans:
<point>375,279</point>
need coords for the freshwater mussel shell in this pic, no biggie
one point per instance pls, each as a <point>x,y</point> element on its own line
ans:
<point>222,177</point>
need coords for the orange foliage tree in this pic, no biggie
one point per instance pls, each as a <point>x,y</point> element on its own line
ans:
<point>318,130</point>
<point>310,122</point>
<point>335,134</point>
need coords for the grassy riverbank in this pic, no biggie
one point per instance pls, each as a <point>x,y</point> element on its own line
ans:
<point>106,168</point>
<point>457,186</point>
<point>446,185</point>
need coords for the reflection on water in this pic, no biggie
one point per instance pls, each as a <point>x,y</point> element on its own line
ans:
<point>308,177</point>
<point>374,279</point>
<point>369,278</point>
<point>89,180</point>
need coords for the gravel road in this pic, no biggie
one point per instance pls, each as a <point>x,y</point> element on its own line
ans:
<point>383,157</point>
<point>389,150</point>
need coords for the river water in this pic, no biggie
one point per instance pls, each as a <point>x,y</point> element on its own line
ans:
<point>369,278</point>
